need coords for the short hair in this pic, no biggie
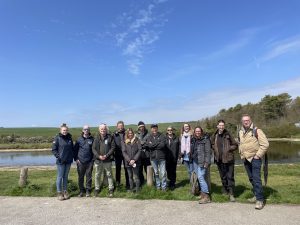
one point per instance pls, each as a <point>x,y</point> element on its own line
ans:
<point>221,121</point>
<point>244,115</point>
<point>64,125</point>
<point>120,122</point>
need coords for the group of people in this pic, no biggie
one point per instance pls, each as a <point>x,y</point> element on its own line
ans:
<point>194,148</point>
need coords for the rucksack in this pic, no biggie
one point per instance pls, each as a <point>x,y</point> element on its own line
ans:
<point>195,189</point>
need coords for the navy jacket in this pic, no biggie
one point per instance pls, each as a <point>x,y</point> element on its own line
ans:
<point>62,149</point>
<point>83,149</point>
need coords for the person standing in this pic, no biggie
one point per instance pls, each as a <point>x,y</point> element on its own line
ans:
<point>131,149</point>
<point>224,145</point>
<point>103,150</point>
<point>201,153</point>
<point>84,160</point>
<point>118,136</point>
<point>252,147</point>
<point>185,148</point>
<point>156,143</point>
<point>142,134</point>
<point>63,150</point>
<point>172,144</point>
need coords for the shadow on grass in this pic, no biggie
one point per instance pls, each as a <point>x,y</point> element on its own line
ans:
<point>182,183</point>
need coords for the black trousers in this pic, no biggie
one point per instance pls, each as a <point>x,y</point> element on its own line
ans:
<point>85,169</point>
<point>144,163</point>
<point>171,172</point>
<point>118,162</point>
<point>226,171</point>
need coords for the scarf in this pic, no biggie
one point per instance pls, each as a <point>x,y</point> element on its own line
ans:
<point>185,143</point>
<point>130,141</point>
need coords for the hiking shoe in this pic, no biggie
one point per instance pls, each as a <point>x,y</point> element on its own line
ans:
<point>224,191</point>
<point>88,194</point>
<point>252,200</point>
<point>259,205</point>
<point>66,195</point>
<point>231,198</point>
<point>97,191</point>
<point>110,194</point>
<point>80,195</point>
<point>60,196</point>
<point>205,199</point>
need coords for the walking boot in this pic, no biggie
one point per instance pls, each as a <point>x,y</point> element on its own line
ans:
<point>205,199</point>
<point>231,198</point>
<point>66,195</point>
<point>60,196</point>
<point>259,205</point>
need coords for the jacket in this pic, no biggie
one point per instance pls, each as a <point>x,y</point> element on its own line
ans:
<point>83,149</point>
<point>201,150</point>
<point>132,151</point>
<point>157,146</point>
<point>63,149</point>
<point>173,146</point>
<point>118,138</point>
<point>229,146</point>
<point>143,139</point>
<point>251,145</point>
<point>103,146</point>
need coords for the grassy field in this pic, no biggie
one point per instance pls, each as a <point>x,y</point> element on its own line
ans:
<point>283,185</point>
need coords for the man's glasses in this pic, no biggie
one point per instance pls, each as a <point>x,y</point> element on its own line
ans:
<point>169,130</point>
<point>86,129</point>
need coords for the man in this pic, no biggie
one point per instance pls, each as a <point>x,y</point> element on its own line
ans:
<point>103,149</point>
<point>156,143</point>
<point>142,135</point>
<point>253,146</point>
<point>84,158</point>
<point>119,138</point>
<point>224,145</point>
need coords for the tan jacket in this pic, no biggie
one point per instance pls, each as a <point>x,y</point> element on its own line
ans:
<point>250,145</point>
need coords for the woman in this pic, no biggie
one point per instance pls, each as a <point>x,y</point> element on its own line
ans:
<point>62,149</point>
<point>200,152</point>
<point>131,150</point>
<point>185,149</point>
<point>172,156</point>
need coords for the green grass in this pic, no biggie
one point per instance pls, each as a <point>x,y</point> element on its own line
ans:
<point>283,185</point>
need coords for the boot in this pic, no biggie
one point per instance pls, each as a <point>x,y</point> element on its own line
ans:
<point>66,195</point>
<point>259,205</point>
<point>205,198</point>
<point>201,196</point>
<point>60,196</point>
<point>231,198</point>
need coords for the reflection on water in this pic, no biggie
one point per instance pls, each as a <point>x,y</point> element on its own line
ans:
<point>280,152</point>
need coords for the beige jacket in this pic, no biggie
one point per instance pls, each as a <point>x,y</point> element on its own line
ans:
<point>250,145</point>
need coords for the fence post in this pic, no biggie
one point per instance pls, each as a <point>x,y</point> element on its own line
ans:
<point>23,176</point>
<point>149,176</point>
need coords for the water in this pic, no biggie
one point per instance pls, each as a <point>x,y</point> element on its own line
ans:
<point>279,152</point>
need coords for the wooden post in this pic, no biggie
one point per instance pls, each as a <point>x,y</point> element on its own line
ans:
<point>149,176</point>
<point>23,176</point>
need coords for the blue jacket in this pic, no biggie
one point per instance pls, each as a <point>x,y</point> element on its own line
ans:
<point>83,149</point>
<point>62,149</point>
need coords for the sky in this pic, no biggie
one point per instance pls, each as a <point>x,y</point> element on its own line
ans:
<point>101,61</point>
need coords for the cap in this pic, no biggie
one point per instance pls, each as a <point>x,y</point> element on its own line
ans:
<point>154,125</point>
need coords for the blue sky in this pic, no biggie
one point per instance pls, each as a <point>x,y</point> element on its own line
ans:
<point>94,61</point>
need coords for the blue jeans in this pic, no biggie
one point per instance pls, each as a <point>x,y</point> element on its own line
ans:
<point>201,172</point>
<point>253,170</point>
<point>159,167</point>
<point>189,166</point>
<point>62,176</point>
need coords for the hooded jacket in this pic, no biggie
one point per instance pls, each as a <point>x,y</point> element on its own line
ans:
<point>62,148</point>
<point>83,149</point>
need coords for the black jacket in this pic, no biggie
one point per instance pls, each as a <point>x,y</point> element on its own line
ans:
<point>83,149</point>
<point>103,146</point>
<point>173,146</point>
<point>201,150</point>
<point>143,139</point>
<point>63,149</point>
<point>118,138</point>
<point>132,151</point>
<point>157,146</point>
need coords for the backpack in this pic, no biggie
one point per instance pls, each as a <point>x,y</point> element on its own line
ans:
<point>195,189</point>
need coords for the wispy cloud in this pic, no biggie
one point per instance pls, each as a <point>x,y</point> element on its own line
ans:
<point>279,48</point>
<point>137,31</point>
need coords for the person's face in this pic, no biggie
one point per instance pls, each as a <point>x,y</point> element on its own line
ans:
<point>142,128</point>
<point>246,121</point>
<point>64,130</point>
<point>186,128</point>
<point>154,130</point>
<point>86,130</point>
<point>102,130</point>
<point>170,131</point>
<point>130,134</point>
<point>198,132</point>
<point>221,127</point>
<point>120,126</point>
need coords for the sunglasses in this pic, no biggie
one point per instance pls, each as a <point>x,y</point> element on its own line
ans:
<point>169,130</point>
<point>86,129</point>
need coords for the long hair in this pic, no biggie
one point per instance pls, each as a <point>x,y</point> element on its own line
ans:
<point>198,127</point>
<point>182,129</point>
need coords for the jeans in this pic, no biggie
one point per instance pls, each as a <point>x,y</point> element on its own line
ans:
<point>62,176</point>
<point>159,167</point>
<point>201,172</point>
<point>253,170</point>
<point>226,171</point>
<point>101,167</point>
<point>118,163</point>
<point>85,169</point>
<point>189,166</point>
<point>134,172</point>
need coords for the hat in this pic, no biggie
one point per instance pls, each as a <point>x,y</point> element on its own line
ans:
<point>141,124</point>
<point>154,125</point>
